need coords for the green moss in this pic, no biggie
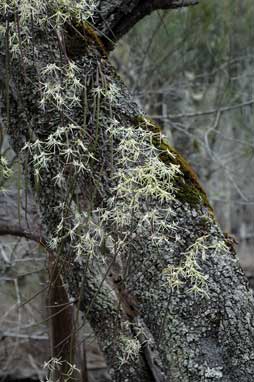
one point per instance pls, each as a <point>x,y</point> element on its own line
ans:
<point>93,35</point>
<point>189,187</point>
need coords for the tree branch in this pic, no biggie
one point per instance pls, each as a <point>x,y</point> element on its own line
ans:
<point>173,4</point>
<point>21,232</point>
<point>123,18</point>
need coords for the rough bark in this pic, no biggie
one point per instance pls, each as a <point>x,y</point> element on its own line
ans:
<point>161,273</point>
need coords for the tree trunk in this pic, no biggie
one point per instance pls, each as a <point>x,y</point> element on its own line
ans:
<point>136,238</point>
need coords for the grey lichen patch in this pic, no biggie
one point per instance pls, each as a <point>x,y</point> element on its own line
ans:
<point>215,373</point>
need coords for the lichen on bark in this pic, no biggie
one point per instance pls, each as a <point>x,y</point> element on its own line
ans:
<point>115,197</point>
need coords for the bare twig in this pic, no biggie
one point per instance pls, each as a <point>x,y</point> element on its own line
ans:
<point>25,336</point>
<point>207,112</point>
<point>18,231</point>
